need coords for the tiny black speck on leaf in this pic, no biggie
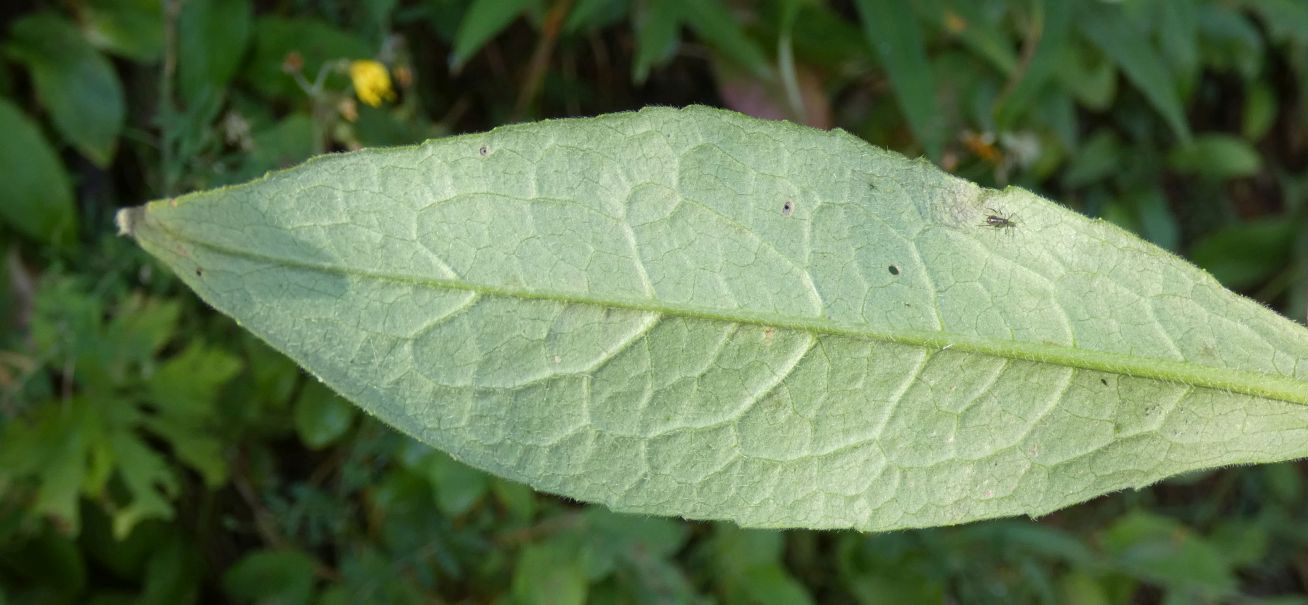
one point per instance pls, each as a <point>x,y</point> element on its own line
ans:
<point>483,151</point>
<point>1103,381</point>
<point>787,208</point>
<point>199,272</point>
<point>894,270</point>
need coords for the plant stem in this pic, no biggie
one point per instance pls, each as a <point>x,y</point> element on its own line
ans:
<point>540,58</point>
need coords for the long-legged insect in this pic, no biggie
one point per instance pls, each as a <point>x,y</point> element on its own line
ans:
<point>998,220</point>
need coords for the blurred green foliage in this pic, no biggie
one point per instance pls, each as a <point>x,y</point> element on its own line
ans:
<point>153,452</point>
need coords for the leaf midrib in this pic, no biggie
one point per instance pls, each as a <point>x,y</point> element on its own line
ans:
<point>1245,382</point>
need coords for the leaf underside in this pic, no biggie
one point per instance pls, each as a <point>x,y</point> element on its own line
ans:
<point>696,313</point>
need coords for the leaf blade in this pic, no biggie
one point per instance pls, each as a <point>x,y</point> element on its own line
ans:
<point>690,312</point>
<point>896,35</point>
<point>37,198</point>
<point>74,81</point>
<point>1114,35</point>
<point>1054,17</point>
<point>658,33</point>
<point>213,36</point>
<point>484,20</point>
<point>715,25</point>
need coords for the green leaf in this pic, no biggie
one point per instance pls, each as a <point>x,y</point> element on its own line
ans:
<point>1120,40</point>
<point>194,446</point>
<point>749,568</point>
<point>549,574</point>
<point>610,541</point>
<point>715,25</point>
<point>696,313</point>
<point>770,585</point>
<point>284,577</point>
<point>894,32</point>
<point>187,384</point>
<point>370,576</point>
<point>373,19</point>
<point>52,449</point>
<point>458,487</point>
<point>1157,223</point>
<point>1260,109</point>
<point>824,39</point>
<point>1053,18</point>
<point>735,551</point>
<point>1098,159</point>
<point>321,416</point>
<point>36,199</point>
<point>888,568</point>
<point>1091,78</point>
<point>484,20</point>
<point>1078,587</point>
<point>1029,539</point>
<point>1284,483</point>
<point>965,19</point>
<point>1216,156</point>
<point>131,28</point>
<point>1242,543</point>
<point>51,563</point>
<point>287,142</point>
<point>1178,38</point>
<point>1230,40</point>
<point>613,535</point>
<point>517,499</point>
<point>593,14</point>
<point>1164,551</point>
<point>212,36</point>
<point>270,381</point>
<point>149,481</point>
<point>1243,255</point>
<point>69,321</point>
<point>1286,20</point>
<point>173,573</point>
<point>139,328</point>
<point>76,84</point>
<point>658,28</point>
<point>183,391</point>
<point>127,557</point>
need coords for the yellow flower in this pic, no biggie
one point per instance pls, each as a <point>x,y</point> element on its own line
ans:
<point>371,82</point>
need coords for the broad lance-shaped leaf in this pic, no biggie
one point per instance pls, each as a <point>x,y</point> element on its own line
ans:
<point>691,312</point>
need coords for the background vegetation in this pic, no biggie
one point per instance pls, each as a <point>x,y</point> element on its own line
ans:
<point>151,451</point>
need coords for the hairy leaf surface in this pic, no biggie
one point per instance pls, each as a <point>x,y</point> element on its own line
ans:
<point>695,313</point>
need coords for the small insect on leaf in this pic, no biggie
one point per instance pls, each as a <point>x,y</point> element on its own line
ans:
<point>999,220</point>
